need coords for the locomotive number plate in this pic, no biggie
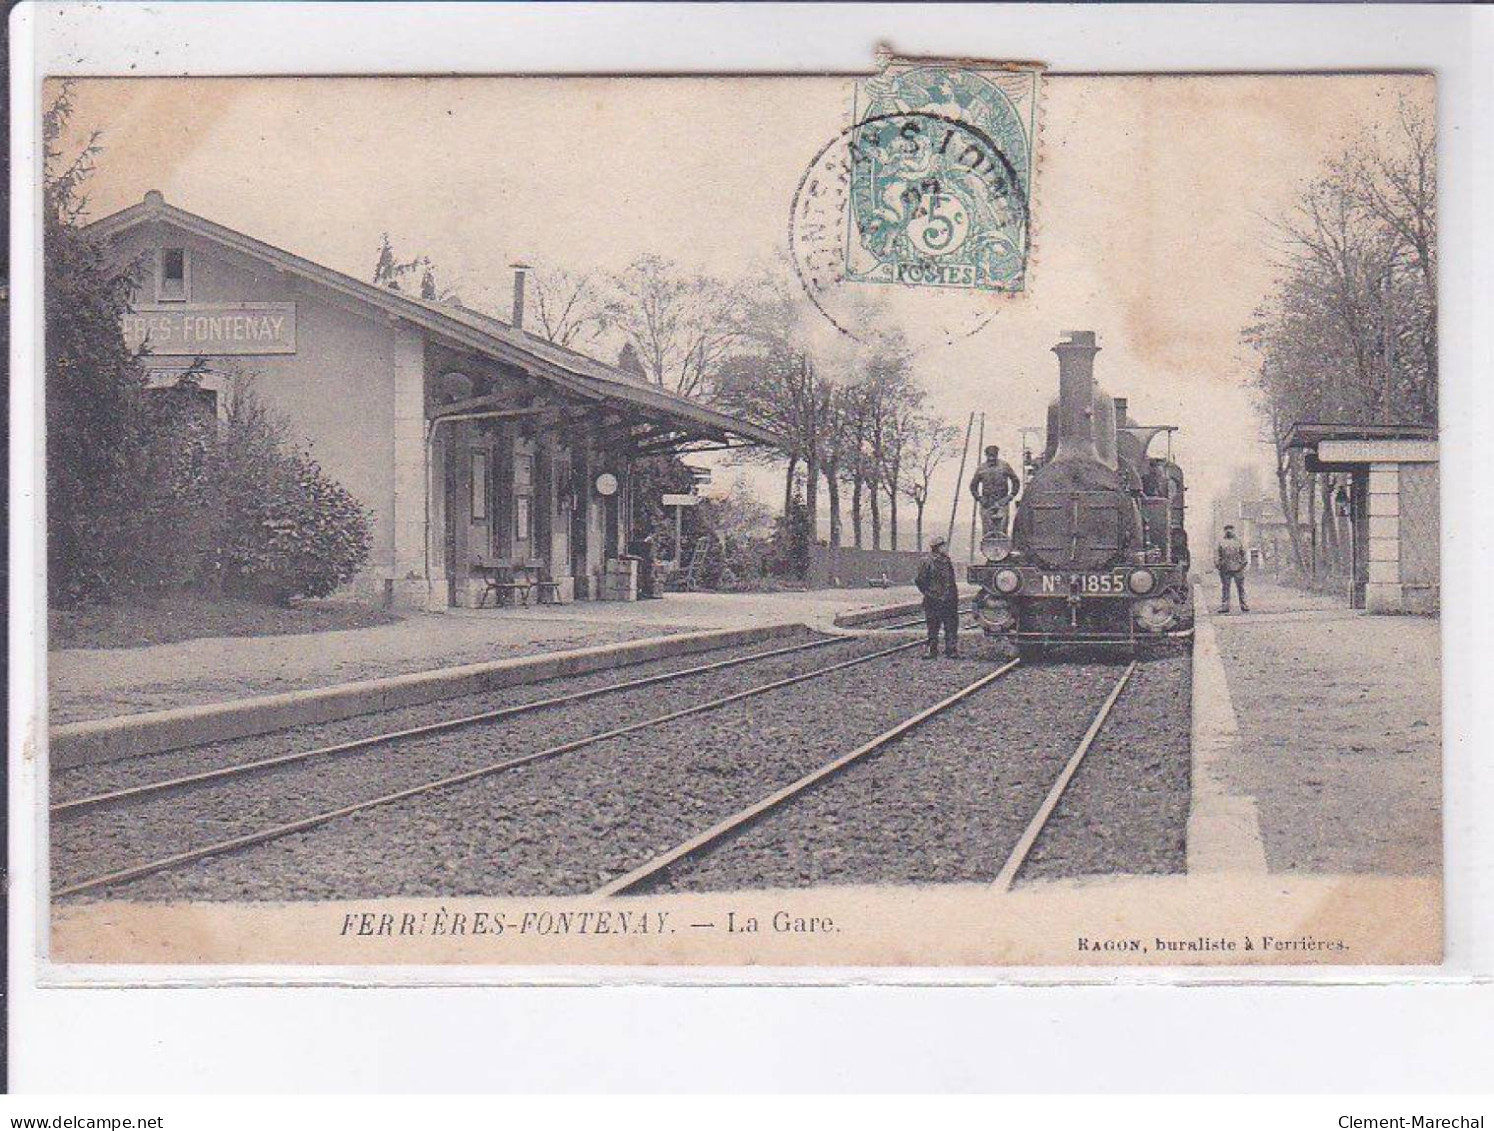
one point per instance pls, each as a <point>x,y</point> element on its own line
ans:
<point>1085,584</point>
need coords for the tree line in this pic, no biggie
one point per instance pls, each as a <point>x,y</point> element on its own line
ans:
<point>1349,332</point>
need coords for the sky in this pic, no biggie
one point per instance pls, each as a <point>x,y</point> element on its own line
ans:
<point>1151,206</point>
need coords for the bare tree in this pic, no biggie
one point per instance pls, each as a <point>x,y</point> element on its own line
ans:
<point>775,385</point>
<point>569,309</point>
<point>1395,183</point>
<point>891,396</point>
<point>1348,334</point>
<point>683,326</point>
<point>415,276</point>
<point>929,442</point>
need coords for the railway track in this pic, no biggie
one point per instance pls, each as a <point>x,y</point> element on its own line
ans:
<point>244,769</point>
<point>287,828</point>
<point>702,843</point>
<point>694,847</point>
<point>1008,874</point>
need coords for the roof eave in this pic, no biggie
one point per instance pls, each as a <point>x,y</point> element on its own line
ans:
<point>429,318</point>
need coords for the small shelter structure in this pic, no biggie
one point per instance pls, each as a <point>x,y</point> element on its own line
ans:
<point>1394,507</point>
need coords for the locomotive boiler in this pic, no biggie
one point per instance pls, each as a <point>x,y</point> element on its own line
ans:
<point>1097,553</point>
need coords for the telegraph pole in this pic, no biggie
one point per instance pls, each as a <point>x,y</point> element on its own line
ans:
<point>980,451</point>
<point>960,482</point>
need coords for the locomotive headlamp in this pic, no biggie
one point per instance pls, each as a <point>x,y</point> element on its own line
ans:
<point>996,547</point>
<point>1156,614</point>
<point>1008,581</point>
<point>1142,581</point>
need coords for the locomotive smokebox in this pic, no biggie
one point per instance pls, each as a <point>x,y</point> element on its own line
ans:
<point>1076,397</point>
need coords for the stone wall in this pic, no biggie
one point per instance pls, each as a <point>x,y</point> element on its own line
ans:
<point>1403,552</point>
<point>1420,531</point>
<point>854,568</point>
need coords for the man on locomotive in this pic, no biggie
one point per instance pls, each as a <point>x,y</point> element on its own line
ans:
<point>995,486</point>
<point>1229,560</point>
<point>941,598</point>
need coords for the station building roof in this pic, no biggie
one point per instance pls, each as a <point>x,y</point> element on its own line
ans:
<point>585,377</point>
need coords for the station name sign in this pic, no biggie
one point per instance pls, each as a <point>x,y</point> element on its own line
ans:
<point>208,329</point>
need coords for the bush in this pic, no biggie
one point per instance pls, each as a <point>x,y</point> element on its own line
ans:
<point>279,527</point>
<point>303,535</point>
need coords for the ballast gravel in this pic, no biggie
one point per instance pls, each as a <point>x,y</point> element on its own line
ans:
<point>945,804</point>
<point>1126,809</point>
<point>949,803</point>
<point>560,826</point>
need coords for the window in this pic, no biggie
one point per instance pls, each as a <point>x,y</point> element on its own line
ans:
<point>479,486</point>
<point>521,518</point>
<point>173,279</point>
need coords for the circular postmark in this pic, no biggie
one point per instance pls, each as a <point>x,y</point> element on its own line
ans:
<point>910,221</point>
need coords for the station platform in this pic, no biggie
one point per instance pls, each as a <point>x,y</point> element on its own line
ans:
<point>86,684</point>
<point>1317,738</point>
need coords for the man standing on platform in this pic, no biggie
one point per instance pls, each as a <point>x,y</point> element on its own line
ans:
<point>941,598</point>
<point>1229,560</point>
<point>995,486</point>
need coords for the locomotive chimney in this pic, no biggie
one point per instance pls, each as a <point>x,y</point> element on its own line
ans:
<point>1122,405</point>
<point>1076,396</point>
<point>521,270</point>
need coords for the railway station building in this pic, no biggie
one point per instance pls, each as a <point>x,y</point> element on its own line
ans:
<point>482,451</point>
<point>1394,506</point>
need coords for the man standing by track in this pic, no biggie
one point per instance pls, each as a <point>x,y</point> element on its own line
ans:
<point>1229,560</point>
<point>941,598</point>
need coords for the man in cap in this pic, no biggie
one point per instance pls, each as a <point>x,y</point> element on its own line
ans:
<point>941,598</point>
<point>1229,560</point>
<point>995,486</point>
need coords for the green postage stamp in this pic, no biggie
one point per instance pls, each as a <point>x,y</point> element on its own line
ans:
<point>941,164</point>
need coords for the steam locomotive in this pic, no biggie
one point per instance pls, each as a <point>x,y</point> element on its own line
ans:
<point>1097,553</point>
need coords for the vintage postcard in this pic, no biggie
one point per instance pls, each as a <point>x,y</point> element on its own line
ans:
<point>956,515</point>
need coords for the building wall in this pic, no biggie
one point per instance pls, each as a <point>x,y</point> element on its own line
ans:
<point>336,390</point>
<point>1420,528</point>
<point>1404,531</point>
<point>357,393</point>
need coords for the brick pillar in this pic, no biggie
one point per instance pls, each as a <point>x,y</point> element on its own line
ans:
<point>1383,592</point>
<point>411,584</point>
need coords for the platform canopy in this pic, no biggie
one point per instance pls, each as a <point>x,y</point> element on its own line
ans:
<point>1327,446</point>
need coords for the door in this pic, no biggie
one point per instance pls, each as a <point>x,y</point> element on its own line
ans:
<point>479,503</point>
<point>1077,530</point>
<point>523,533</point>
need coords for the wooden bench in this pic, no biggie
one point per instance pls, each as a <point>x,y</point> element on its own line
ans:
<point>546,590</point>
<point>501,583</point>
<point>508,584</point>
